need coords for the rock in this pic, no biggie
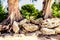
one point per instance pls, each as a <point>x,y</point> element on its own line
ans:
<point>57,30</point>
<point>23,21</point>
<point>54,39</point>
<point>30,27</point>
<point>16,35</point>
<point>51,23</point>
<point>40,20</point>
<point>0,27</point>
<point>6,27</point>
<point>23,31</point>
<point>15,27</point>
<point>47,31</point>
<point>37,21</point>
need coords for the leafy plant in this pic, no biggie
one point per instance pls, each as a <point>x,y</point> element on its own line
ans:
<point>56,9</point>
<point>29,11</point>
<point>2,13</point>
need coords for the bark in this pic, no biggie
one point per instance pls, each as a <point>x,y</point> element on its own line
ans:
<point>47,9</point>
<point>13,12</point>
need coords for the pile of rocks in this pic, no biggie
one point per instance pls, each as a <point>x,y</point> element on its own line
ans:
<point>48,26</point>
<point>51,26</point>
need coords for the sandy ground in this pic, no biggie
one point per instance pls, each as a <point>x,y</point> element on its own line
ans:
<point>29,37</point>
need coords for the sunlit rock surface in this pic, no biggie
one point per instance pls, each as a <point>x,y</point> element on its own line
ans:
<point>30,27</point>
<point>51,23</point>
<point>47,31</point>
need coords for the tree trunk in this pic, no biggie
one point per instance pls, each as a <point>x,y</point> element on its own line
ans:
<point>47,9</point>
<point>13,12</point>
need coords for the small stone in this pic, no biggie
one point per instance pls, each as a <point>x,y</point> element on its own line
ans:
<point>30,27</point>
<point>15,27</point>
<point>47,31</point>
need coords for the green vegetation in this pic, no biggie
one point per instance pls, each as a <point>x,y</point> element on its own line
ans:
<point>28,11</point>
<point>2,13</point>
<point>56,9</point>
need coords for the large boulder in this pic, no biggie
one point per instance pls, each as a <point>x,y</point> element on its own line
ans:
<point>51,23</point>
<point>47,31</point>
<point>30,27</point>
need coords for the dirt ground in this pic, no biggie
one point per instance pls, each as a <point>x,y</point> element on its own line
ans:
<point>30,36</point>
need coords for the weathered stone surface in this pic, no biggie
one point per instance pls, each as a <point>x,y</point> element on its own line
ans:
<point>30,27</point>
<point>53,39</point>
<point>6,27</point>
<point>23,21</point>
<point>57,30</point>
<point>47,31</point>
<point>37,21</point>
<point>15,27</point>
<point>51,23</point>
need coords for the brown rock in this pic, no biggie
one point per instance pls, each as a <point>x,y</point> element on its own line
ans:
<point>30,27</point>
<point>23,21</point>
<point>57,30</point>
<point>37,21</point>
<point>47,31</point>
<point>6,27</point>
<point>54,39</point>
<point>15,27</point>
<point>51,23</point>
<point>0,27</point>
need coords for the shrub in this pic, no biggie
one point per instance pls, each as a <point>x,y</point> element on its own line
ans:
<point>2,13</point>
<point>56,9</point>
<point>29,11</point>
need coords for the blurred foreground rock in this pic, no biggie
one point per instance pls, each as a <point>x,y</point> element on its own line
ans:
<point>57,30</point>
<point>0,27</point>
